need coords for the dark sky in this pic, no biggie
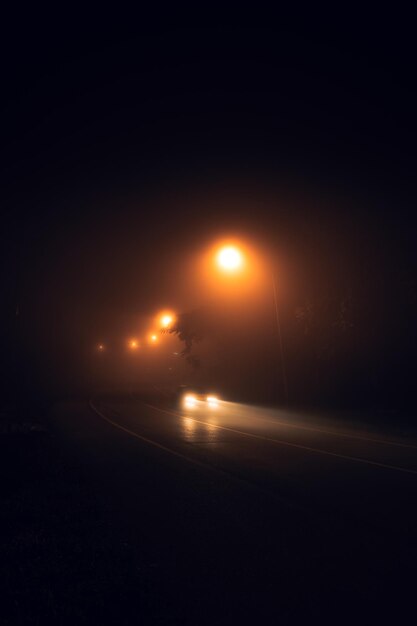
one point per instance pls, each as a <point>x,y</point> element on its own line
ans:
<point>124,150</point>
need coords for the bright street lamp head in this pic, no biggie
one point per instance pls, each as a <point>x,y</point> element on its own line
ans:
<point>133,344</point>
<point>229,258</point>
<point>166,319</point>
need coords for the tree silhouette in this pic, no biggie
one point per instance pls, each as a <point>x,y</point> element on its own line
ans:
<point>191,328</point>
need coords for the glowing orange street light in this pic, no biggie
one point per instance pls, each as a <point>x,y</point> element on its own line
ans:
<point>166,319</point>
<point>229,258</point>
<point>133,344</point>
<point>153,338</point>
<point>100,347</point>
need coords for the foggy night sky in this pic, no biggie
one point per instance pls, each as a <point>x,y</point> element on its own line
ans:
<point>125,153</point>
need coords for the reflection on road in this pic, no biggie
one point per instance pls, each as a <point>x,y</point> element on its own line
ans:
<point>195,431</point>
<point>271,420</point>
<point>312,434</point>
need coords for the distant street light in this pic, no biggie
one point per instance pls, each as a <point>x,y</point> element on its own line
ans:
<point>133,344</point>
<point>153,338</point>
<point>230,259</point>
<point>166,319</point>
<point>100,347</point>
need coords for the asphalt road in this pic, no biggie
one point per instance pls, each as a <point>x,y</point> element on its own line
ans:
<point>243,513</point>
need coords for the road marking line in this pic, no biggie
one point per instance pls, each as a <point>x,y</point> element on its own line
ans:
<point>205,466</point>
<point>387,442</point>
<point>287,443</point>
<point>145,439</point>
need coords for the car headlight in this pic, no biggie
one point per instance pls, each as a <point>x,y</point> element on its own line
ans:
<point>212,401</point>
<point>190,401</point>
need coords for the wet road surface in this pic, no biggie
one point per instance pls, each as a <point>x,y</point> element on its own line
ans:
<point>244,513</point>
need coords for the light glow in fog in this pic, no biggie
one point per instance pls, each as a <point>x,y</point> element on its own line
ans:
<point>190,401</point>
<point>213,401</point>
<point>229,258</point>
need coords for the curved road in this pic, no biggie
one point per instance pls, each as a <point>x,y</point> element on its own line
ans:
<point>244,511</point>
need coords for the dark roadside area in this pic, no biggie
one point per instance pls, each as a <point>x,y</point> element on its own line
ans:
<point>61,562</point>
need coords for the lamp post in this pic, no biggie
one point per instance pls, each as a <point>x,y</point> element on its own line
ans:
<point>281,346</point>
<point>230,259</point>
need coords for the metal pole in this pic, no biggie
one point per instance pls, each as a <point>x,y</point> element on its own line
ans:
<point>281,347</point>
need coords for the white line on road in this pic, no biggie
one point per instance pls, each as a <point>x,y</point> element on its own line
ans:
<point>292,445</point>
<point>205,466</point>
<point>386,442</point>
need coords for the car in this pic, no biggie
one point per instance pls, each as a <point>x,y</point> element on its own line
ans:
<point>192,397</point>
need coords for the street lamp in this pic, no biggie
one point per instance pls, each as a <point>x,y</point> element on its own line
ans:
<point>133,344</point>
<point>281,347</point>
<point>230,259</point>
<point>94,370</point>
<point>153,338</point>
<point>166,319</point>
